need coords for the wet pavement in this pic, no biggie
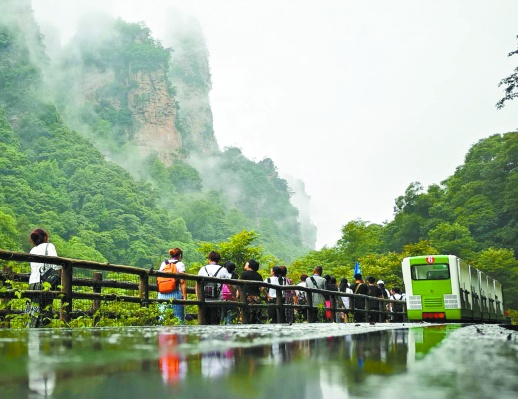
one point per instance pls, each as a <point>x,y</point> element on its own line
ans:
<point>262,361</point>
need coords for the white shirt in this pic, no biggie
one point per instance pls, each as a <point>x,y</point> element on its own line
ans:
<point>302,284</point>
<point>36,266</point>
<point>347,300</point>
<point>211,270</point>
<point>272,292</point>
<point>180,267</point>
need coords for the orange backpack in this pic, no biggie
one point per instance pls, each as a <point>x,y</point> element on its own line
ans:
<point>167,284</point>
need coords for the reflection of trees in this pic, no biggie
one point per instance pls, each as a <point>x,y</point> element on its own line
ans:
<point>358,356</point>
<point>397,355</point>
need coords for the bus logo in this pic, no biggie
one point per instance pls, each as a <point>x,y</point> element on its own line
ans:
<point>430,259</point>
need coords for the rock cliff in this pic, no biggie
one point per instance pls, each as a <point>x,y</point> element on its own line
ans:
<point>154,112</point>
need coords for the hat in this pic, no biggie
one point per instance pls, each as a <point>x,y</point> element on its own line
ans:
<point>380,282</point>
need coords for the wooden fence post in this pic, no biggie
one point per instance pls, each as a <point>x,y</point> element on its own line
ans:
<point>244,309</point>
<point>333,307</point>
<point>279,302</point>
<point>201,297</point>
<point>310,311</point>
<point>97,289</point>
<point>66,300</point>
<point>368,310</point>
<point>144,289</point>
<point>384,311</point>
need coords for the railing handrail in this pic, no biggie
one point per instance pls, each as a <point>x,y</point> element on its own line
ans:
<point>144,286</point>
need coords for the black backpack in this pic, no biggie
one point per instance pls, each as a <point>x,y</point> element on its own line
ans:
<point>398,307</point>
<point>212,289</point>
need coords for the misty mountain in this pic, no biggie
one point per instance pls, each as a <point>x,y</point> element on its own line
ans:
<point>108,143</point>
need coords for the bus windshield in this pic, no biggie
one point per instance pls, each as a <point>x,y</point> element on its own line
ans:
<point>430,272</point>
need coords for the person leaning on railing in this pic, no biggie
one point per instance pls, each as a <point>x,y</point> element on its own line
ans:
<point>344,287</point>
<point>180,291</point>
<point>316,281</point>
<point>40,309</point>
<point>252,292</point>
<point>395,294</point>
<point>271,293</point>
<point>213,269</point>
<point>229,313</point>
<point>359,287</point>
<point>290,296</point>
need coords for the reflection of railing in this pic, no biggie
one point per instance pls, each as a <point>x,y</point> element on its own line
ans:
<point>147,288</point>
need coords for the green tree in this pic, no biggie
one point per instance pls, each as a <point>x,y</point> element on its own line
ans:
<point>205,218</point>
<point>76,249</point>
<point>8,232</point>
<point>453,239</point>
<point>510,84</point>
<point>239,249</point>
<point>359,239</point>
<point>330,259</point>
<point>501,264</point>
<point>386,267</point>
<point>423,247</point>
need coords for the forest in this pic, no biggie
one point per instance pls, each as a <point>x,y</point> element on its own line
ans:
<point>77,157</point>
<point>77,169</point>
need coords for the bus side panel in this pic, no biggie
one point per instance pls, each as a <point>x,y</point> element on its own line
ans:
<point>475,293</point>
<point>464,290</point>
<point>499,296</point>
<point>491,296</point>
<point>484,300</point>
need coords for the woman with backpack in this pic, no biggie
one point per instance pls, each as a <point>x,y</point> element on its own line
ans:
<point>40,309</point>
<point>179,287</point>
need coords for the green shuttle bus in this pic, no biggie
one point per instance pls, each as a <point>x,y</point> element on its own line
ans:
<point>444,288</point>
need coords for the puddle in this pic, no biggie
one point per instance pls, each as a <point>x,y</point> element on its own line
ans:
<point>268,361</point>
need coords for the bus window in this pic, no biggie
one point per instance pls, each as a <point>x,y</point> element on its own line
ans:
<point>430,272</point>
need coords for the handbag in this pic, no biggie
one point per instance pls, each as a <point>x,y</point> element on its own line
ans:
<point>226,294</point>
<point>328,312</point>
<point>48,274</point>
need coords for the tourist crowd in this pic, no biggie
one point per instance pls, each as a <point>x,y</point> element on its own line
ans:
<point>355,306</point>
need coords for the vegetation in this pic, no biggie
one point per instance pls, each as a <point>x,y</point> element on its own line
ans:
<point>510,84</point>
<point>56,178</point>
<point>472,214</point>
<point>102,200</point>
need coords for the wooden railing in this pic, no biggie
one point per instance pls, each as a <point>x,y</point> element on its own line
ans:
<point>147,284</point>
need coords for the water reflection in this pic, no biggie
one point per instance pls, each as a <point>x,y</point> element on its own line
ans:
<point>269,362</point>
<point>41,379</point>
<point>173,366</point>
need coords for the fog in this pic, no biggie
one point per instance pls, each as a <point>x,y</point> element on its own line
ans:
<point>356,99</point>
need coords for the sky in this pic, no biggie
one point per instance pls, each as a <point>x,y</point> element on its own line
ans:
<point>357,99</point>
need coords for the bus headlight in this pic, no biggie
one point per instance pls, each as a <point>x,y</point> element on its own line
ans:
<point>414,302</point>
<point>451,301</point>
